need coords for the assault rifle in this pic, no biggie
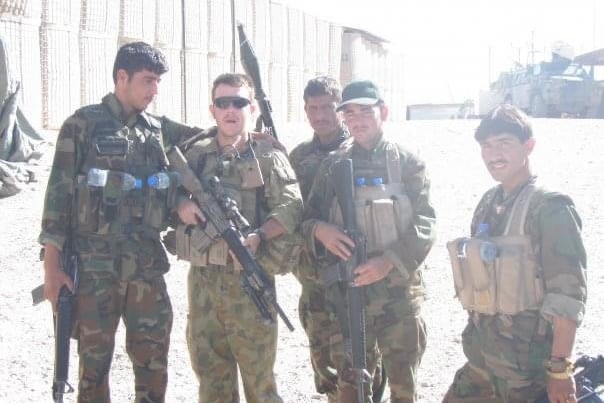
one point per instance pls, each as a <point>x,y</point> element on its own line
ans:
<point>225,220</point>
<point>249,60</point>
<point>62,321</point>
<point>589,377</point>
<point>355,339</point>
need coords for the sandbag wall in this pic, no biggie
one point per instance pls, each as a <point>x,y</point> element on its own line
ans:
<point>62,51</point>
<point>20,27</point>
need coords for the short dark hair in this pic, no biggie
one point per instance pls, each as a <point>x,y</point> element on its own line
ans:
<point>505,118</point>
<point>233,80</point>
<point>323,85</point>
<point>138,56</point>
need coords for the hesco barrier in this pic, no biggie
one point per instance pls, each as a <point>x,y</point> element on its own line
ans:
<point>62,51</point>
<point>20,29</point>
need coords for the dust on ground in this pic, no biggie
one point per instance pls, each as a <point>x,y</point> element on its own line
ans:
<point>567,158</point>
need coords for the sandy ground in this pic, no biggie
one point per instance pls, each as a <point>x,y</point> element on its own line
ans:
<point>568,157</point>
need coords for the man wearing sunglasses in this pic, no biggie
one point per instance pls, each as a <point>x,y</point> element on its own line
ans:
<point>225,330</point>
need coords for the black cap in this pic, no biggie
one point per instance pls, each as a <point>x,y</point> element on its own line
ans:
<point>362,92</point>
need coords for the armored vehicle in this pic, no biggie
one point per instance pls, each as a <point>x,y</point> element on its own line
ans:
<point>558,88</point>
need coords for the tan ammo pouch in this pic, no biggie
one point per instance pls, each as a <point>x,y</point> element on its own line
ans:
<point>513,282</point>
<point>194,244</point>
<point>474,279</point>
<point>383,214</point>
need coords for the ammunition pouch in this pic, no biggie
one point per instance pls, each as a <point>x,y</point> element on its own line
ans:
<point>383,214</point>
<point>509,285</point>
<point>194,243</point>
<point>106,210</point>
<point>513,281</point>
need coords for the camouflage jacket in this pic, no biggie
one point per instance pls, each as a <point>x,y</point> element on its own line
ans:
<point>411,250</point>
<point>278,198</point>
<point>307,157</point>
<point>73,156</point>
<point>555,230</point>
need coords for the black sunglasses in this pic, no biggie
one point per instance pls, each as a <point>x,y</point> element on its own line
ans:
<point>226,102</point>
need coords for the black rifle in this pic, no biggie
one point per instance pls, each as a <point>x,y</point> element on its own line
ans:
<point>344,187</point>
<point>249,60</point>
<point>589,377</point>
<point>62,321</point>
<point>222,214</point>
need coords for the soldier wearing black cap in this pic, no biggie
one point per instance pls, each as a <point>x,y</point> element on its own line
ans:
<point>398,221</point>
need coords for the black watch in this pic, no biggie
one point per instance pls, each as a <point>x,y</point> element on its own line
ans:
<point>260,232</point>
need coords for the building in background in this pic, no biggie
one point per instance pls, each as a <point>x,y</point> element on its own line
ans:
<point>64,50</point>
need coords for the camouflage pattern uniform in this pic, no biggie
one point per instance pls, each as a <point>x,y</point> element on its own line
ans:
<point>506,353</point>
<point>393,317</point>
<point>320,329</point>
<point>116,234</point>
<point>225,329</point>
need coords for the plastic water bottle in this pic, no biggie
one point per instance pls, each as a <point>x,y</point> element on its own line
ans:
<point>159,180</point>
<point>129,182</point>
<point>377,181</point>
<point>488,250</point>
<point>360,182</point>
<point>97,177</point>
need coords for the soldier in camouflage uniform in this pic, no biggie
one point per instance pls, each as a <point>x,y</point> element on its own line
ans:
<point>114,230</point>
<point>321,97</point>
<point>400,234</point>
<point>225,329</point>
<point>527,296</point>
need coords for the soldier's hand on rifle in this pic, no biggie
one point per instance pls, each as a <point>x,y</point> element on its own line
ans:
<point>334,239</point>
<point>561,390</point>
<point>54,276</point>
<point>372,271</point>
<point>252,241</point>
<point>190,213</point>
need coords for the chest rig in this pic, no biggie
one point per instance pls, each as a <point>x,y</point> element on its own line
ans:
<point>383,208</point>
<point>121,151</point>
<point>509,283</point>
<point>243,178</point>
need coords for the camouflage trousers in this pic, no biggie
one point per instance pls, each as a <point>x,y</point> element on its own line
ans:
<point>146,310</point>
<point>505,361</point>
<point>225,331</point>
<point>395,328</point>
<point>320,329</point>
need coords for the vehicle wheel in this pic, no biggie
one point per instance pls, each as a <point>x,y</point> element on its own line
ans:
<point>538,106</point>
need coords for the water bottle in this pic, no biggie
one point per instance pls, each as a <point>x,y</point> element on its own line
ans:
<point>159,180</point>
<point>129,182</point>
<point>377,181</point>
<point>360,182</point>
<point>97,177</point>
<point>488,250</point>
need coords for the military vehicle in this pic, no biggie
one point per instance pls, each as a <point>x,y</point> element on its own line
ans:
<point>556,88</point>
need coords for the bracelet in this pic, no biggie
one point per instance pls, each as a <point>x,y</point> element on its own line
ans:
<point>560,375</point>
<point>559,368</point>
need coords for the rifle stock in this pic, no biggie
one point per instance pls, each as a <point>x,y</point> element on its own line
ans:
<point>343,178</point>
<point>249,60</point>
<point>223,214</point>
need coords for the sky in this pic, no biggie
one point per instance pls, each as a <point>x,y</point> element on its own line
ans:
<point>454,48</point>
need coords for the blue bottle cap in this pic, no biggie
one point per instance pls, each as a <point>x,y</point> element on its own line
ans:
<point>360,181</point>
<point>152,180</point>
<point>138,183</point>
<point>377,181</point>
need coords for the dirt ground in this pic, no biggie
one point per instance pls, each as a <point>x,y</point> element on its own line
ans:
<point>567,157</point>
